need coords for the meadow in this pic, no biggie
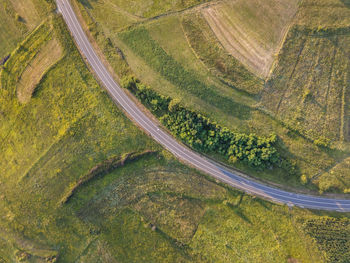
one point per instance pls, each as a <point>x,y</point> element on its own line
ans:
<point>80,183</point>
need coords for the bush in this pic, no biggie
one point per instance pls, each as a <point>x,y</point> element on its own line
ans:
<point>322,142</point>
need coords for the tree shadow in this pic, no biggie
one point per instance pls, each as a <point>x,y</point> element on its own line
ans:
<point>263,203</point>
<point>87,3</point>
<point>239,211</point>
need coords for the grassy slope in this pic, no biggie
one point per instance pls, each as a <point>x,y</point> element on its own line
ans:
<point>206,47</point>
<point>153,210</point>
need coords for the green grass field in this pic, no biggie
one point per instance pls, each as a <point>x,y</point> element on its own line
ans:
<point>216,84</point>
<point>152,209</point>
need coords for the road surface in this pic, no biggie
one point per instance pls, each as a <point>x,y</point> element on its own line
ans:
<point>180,151</point>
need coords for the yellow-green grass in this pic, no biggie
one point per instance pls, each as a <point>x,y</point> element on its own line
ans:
<point>11,30</point>
<point>150,210</point>
<point>136,10</point>
<point>21,58</point>
<point>114,15</point>
<point>252,31</point>
<point>69,126</point>
<point>164,214</point>
<point>53,113</point>
<point>29,15</point>
<point>324,14</point>
<point>110,17</point>
<point>308,89</point>
<point>335,178</point>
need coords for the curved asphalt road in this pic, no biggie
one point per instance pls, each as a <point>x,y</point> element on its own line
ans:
<point>183,153</point>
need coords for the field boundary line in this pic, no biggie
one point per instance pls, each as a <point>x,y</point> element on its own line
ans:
<point>291,75</point>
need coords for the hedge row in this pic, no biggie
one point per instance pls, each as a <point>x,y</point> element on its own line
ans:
<point>202,134</point>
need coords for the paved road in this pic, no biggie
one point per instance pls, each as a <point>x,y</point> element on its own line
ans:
<point>181,152</point>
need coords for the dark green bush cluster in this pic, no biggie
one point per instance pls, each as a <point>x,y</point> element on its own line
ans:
<point>157,103</point>
<point>203,134</point>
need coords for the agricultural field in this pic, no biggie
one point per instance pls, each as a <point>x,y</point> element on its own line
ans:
<point>309,91</point>
<point>254,34</point>
<point>324,14</point>
<point>182,55</point>
<point>221,64</point>
<point>80,183</point>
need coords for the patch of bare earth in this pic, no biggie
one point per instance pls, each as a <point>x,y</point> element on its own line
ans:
<point>252,30</point>
<point>35,70</point>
